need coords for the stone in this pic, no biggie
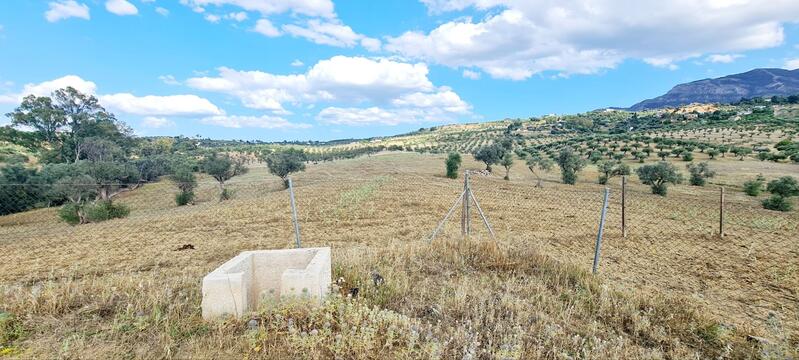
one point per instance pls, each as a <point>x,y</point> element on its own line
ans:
<point>253,278</point>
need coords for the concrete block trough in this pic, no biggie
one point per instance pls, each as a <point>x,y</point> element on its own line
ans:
<point>247,280</point>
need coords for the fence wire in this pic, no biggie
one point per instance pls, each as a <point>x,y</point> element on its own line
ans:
<point>672,243</point>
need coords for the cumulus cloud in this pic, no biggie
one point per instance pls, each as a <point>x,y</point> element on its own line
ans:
<point>65,9</point>
<point>121,7</point>
<point>297,63</point>
<point>153,105</point>
<point>48,87</point>
<point>792,64</point>
<point>157,122</point>
<point>383,90</point>
<point>469,74</point>
<point>264,121</point>
<point>518,39</point>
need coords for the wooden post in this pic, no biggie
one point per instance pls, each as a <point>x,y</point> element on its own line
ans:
<point>624,206</point>
<point>721,213</point>
<point>294,215</point>
<point>598,245</point>
<point>465,218</point>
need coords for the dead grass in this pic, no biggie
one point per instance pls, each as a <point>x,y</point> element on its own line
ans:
<point>670,290</point>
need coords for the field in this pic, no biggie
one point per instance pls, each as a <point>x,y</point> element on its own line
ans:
<point>671,289</point>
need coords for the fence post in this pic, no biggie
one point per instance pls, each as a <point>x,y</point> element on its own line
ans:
<point>598,245</point>
<point>721,213</point>
<point>624,206</point>
<point>294,214</point>
<point>465,218</point>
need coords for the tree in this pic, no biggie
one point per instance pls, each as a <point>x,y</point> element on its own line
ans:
<point>741,152</point>
<point>284,163</point>
<point>609,169</point>
<point>687,156</point>
<point>453,162</point>
<point>713,153</point>
<point>537,161</point>
<point>570,164</point>
<point>222,168</point>
<point>40,114</point>
<point>507,163</point>
<point>78,110</point>
<point>490,155</point>
<point>662,155</point>
<point>186,182</point>
<point>700,173</point>
<point>781,191</point>
<point>659,176</point>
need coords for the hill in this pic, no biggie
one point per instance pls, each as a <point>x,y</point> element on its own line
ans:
<point>728,89</point>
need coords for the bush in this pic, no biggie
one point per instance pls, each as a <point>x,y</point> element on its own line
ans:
<point>184,198</point>
<point>453,162</point>
<point>687,156</point>
<point>105,210</point>
<point>777,203</point>
<point>754,187</point>
<point>70,213</point>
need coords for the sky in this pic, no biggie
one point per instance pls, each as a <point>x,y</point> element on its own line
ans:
<point>277,70</point>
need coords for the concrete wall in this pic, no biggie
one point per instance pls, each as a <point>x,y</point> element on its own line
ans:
<point>253,277</point>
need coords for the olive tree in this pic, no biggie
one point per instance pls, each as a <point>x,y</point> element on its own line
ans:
<point>659,176</point>
<point>700,173</point>
<point>284,163</point>
<point>452,163</point>
<point>186,182</point>
<point>536,161</point>
<point>781,191</point>
<point>222,168</point>
<point>490,155</point>
<point>507,163</point>
<point>609,169</point>
<point>570,164</point>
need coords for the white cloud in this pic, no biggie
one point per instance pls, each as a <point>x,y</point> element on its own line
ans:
<point>212,18</point>
<point>723,58</point>
<point>169,80</point>
<point>264,121</point>
<point>297,63</point>
<point>46,88</point>
<point>121,7</point>
<point>157,122</point>
<point>153,105</point>
<point>519,38</point>
<point>65,9</point>
<point>469,74</point>
<point>332,33</point>
<point>792,64</point>
<point>265,27</point>
<point>162,11</point>
<point>383,90</point>
<point>237,16</point>
<point>314,8</point>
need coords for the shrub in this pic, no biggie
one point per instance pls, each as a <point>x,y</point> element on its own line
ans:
<point>687,156</point>
<point>700,173</point>
<point>184,198</point>
<point>453,162</point>
<point>785,186</point>
<point>570,164</point>
<point>105,210</point>
<point>777,203</point>
<point>71,213</point>
<point>754,187</point>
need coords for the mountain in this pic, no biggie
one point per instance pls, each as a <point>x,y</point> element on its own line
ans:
<point>728,89</point>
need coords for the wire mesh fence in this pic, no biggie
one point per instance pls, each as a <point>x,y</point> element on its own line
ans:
<point>672,243</point>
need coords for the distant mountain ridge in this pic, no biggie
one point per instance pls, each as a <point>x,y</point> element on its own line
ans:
<point>727,89</point>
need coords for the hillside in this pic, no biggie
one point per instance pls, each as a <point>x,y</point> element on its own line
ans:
<point>728,89</point>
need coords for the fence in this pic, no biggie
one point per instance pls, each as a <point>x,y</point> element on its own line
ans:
<point>669,244</point>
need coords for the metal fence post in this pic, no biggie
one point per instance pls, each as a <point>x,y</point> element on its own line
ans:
<point>294,214</point>
<point>598,245</point>
<point>624,206</point>
<point>465,218</point>
<point>721,213</point>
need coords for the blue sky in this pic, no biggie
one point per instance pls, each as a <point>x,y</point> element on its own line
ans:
<point>326,69</point>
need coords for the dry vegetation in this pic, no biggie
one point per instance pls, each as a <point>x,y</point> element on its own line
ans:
<point>670,290</point>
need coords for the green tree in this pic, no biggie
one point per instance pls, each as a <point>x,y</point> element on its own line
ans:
<point>453,163</point>
<point>490,155</point>
<point>536,161</point>
<point>754,187</point>
<point>609,169</point>
<point>507,163</point>
<point>781,191</point>
<point>186,182</point>
<point>659,176</point>
<point>40,114</point>
<point>570,165</point>
<point>284,163</point>
<point>713,153</point>
<point>700,173</point>
<point>222,168</point>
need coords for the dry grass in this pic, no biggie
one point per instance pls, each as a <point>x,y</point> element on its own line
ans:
<point>118,289</point>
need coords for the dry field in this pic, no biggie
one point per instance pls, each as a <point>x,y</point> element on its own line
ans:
<point>671,289</point>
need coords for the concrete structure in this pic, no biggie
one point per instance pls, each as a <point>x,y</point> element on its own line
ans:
<point>245,281</point>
